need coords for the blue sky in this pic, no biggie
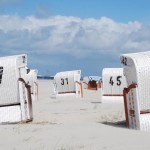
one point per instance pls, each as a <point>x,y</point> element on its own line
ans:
<point>61,35</point>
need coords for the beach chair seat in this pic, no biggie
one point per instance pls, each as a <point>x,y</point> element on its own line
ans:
<point>113,81</point>
<point>15,97</point>
<point>136,68</point>
<point>67,83</point>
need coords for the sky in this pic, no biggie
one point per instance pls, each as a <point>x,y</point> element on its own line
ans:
<point>63,35</point>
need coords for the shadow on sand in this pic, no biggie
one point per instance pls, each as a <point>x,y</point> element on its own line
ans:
<point>120,124</point>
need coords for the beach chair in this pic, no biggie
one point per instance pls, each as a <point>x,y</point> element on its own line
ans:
<point>113,81</point>
<point>15,93</point>
<point>67,83</point>
<point>92,82</point>
<point>32,81</point>
<point>136,68</point>
<point>92,88</point>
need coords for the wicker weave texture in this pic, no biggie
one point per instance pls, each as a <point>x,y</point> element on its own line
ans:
<point>14,102</point>
<point>136,68</point>
<point>10,114</point>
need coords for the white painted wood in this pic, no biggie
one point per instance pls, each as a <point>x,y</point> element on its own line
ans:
<point>32,80</point>
<point>13,97</point>
<point>6,114</point>
<point>113,81</point>
<point>65,83</point>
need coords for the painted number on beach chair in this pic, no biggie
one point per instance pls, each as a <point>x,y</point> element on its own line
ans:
<point>118,80</point>
<point>124,61</point>
<point>1,73</point>
<point>63,81</point>
<point>111,81</point>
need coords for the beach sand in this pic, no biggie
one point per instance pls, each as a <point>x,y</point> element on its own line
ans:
<point>73,124</point>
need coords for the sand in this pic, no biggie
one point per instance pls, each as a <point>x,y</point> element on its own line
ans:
<point>73,124</point>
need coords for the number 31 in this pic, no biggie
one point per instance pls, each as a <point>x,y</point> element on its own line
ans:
<point>63,81</point>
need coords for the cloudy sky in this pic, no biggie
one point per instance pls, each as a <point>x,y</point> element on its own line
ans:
<point>60,35</point>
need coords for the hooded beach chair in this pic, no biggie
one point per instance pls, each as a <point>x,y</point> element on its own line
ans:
<point>92,88</point>
<point>113,81</point>
<point>92,82</point>
<point>67,83</point>
<point>136,68</point>
<point>15,93</point>
<point>32,81</point>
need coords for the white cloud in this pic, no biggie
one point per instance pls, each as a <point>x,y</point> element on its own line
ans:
<point>71,35</point>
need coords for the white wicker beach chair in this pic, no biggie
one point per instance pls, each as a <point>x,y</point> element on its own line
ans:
<point>137,95</point>
<point>67,83</point>
<point>32,81</point>
<point>15,97</point>
<point>113,81</point>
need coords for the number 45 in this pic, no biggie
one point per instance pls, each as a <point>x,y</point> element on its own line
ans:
<point>117,79</point>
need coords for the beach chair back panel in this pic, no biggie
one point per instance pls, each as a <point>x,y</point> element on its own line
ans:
<point>9,83</point>
<point>144,88</point>
<point>113,81</point>
<point>65,81</point>
<point>144,80</point>
<point>62,81</point>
